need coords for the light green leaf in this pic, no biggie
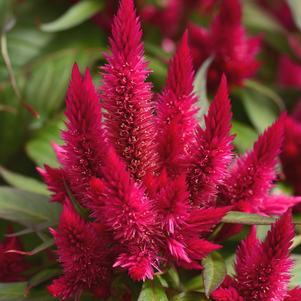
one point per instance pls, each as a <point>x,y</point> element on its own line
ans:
<point>200,88</point>
<point>75,15</point>
<point>27,208</point>
<point>235,217</point>
<point>296,11</point>
<point>260,110</point>
<point>12,291</point>
<point>214,272</point>
<point>23,182</point>
<point>296,271</point>
<point>172,278</point>
<point>152,290</point>
<point>245,136</point>
<point>44,246</point>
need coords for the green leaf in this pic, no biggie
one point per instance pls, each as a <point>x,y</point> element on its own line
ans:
<point>23,182</point>
<point>260,110</point>
<point>235,217</point>
<point>257,18</point>
<point>44,246</point>
<point>200,88</point>
<point>296,271</point>
<point>194,284</point>
<point>27,208</point>
<point>189,296</point>
<point>75,15</point>
<point>152,290</point>
<point>245,136</point>
<point>42,276</point>
<point>214,272</point>
<point>296,11</point>
<point>172,278</point>
<point>39,148</point>
<point>12,291</point>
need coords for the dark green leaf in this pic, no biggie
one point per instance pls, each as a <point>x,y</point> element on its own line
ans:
<point>214,272</point>
<point>27,208</point>
<point>195,284</point>
<point>23,182</point>
<point>296,11</point>
<point>172,277</point>
<point>41,277</point>
<point>12,291</point>
<point>189,296</point>
<point>152,290</point>
<point>76,14</point>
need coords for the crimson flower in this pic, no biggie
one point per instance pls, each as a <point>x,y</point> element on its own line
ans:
<point>11,264</point>
<point>262,268</point>
<point>234,54</point>
<point>153,182</point>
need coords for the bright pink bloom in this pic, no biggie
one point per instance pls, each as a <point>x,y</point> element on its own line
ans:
<point>176,122</point>
<point>126,95</point>
<point>262,268</point>
<point>213,152</point>
<point>128,213</point>
<point>233,52</point>
<point>12,265</point>
<point>84,141</point>
<point>83,251</point>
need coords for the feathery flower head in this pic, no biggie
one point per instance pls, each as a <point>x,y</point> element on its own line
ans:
<point>83,252</point>
<point>234,53</point>
<point>262,268</point>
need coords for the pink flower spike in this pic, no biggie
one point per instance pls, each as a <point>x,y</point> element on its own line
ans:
<point>253,174</point>
<point>127,97</point>
<point>84,256</point>
<point>84,140</point>
<point>262,269</point>
<point>176,112</point>
<point>213,151</point>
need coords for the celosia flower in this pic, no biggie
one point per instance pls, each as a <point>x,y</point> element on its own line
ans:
<point>289,73</point>
<point>84,254</point>
<point>127,96</point>
<point>176,110</point>
<point>262,268</point>
<point>226,41</point>
<point>11,264</point>
<point>145,176</point>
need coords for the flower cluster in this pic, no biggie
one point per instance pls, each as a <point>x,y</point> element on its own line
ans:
<point>226,41</point>
<point>142,184</point>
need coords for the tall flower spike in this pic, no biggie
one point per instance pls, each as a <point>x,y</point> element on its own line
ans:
<point>127,211</point>
<point>262,268</point>
<point>213,151</point>
<point>176,121</point>
<point>83,148</point>
<point>83,253</point>
<point>126,95</point>
<point>253,174</point>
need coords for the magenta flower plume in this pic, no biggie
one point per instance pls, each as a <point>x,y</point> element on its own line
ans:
<point>128,213</point>
<point>12,265</point>
<point>213,151</point>
<point>251,178</point>
<point>176,121</point>
<point>127,97</point>
<point>84,254</point>
<point>234,53</point>
<point>83,148</point>
<point>262,268</point>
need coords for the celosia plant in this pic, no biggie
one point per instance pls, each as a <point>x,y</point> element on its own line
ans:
<point>142,184</point>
